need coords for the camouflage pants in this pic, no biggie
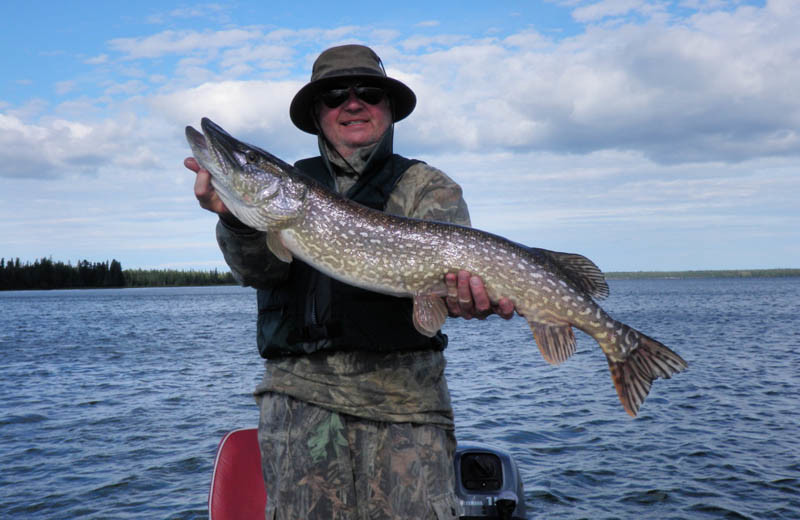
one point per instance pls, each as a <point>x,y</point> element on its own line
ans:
<point>320,464</point>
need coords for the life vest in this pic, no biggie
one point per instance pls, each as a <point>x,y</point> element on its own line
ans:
<point>309,311</point>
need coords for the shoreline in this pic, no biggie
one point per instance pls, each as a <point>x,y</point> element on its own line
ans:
<point>707,273</point>
<point>611,275</point>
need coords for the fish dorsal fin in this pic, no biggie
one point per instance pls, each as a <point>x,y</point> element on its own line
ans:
<point>276,246</point>
<point>581,271</point>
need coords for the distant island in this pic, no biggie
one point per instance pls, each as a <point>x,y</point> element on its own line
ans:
<point>45,273</point>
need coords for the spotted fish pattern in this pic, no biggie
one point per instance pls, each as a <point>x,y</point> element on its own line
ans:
<point>409,257</point>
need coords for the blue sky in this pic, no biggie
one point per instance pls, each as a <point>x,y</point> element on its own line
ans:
<point>646,135</point>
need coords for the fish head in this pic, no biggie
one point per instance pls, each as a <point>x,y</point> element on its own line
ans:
<point>255,186</point>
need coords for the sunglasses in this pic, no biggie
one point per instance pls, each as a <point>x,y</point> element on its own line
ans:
<point>336,96</point>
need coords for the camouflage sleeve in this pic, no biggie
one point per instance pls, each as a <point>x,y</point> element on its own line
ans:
<point>428,193</point>
<point>246,253</point>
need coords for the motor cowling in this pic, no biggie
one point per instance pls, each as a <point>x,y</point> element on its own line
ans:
<point>488,484</point>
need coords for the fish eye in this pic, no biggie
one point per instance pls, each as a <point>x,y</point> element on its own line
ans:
<point>251,156</point>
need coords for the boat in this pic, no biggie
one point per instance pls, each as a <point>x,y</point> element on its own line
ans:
<point>488,483</point>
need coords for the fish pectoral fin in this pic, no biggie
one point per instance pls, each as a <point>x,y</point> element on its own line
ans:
<point>276,246</point>
<point>430,313</point>
<point>556,342</point>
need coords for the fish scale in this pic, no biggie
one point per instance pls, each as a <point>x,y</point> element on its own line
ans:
<point>409,257</point>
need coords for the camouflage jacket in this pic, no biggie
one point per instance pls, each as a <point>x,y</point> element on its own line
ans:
<point>398,387</point>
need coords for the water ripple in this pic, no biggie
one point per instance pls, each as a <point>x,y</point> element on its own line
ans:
<point>114,402</point>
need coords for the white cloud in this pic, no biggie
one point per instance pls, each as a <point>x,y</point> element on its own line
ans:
<point>127,88</point>
<point>261,59</point>
<point>528,40</point>
<point>64,87</point>
<point>419,42</point>
<point>716,86</point>
<point>181,42</point>
<point>57,147</point>
<point>708,5</point>
<point>599,10</point>
<point>97,60</point>
<point>243,105</point>
<point>208,10</point>
<point>254,111</point>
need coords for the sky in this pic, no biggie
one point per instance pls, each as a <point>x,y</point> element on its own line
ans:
<point>643,134</point>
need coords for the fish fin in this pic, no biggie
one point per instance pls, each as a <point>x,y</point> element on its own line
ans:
<point>276,246</point>
<point>555,342</point>
<point>634,376</point>
<point>430,313</point>
<point>581,271</point>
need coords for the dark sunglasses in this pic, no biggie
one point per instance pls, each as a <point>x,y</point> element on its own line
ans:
<point>336,96</point>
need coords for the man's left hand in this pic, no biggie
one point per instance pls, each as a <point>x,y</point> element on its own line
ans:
<point>467,298</point>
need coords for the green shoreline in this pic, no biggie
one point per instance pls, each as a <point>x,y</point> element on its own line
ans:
<point>721,273</point>
<point>45,274</point>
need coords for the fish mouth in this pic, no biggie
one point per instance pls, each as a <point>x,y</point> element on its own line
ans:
<point>216,132</point>
<point>213,148</point>
<point>195,138</point>
<point>215,151</point>
<point>199,145</point>
<point>222,144</point>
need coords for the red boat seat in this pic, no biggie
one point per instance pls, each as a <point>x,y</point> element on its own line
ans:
<point>237,485</point>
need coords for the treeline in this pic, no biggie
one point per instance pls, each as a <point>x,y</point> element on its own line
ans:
<point>174,278</point>
<point>47,274</point>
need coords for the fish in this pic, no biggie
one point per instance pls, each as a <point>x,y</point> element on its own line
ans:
<point>554,291</point>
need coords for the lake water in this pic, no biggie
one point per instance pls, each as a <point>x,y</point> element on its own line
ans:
<point>113,401</point>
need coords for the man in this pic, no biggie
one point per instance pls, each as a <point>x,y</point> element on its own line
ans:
<point>356,420</point>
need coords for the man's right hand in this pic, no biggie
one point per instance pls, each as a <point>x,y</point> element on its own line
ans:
<point>207,196</point>
<point>204,191</point>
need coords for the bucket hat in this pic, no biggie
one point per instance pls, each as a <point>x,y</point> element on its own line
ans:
<point>348,62</point>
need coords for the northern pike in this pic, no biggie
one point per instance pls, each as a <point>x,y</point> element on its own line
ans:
<point>410,257</point>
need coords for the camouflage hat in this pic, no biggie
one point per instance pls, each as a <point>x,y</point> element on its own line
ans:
<point>348,62</point>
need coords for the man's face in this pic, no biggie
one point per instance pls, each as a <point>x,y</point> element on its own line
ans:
<point>355,123</point>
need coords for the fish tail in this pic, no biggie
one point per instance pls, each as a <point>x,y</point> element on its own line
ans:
<point>634,375</point>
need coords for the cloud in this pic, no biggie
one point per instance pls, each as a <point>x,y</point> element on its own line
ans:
<point>244,105</point>
<point>714,87</point>
<point>58,147</point>
<point>180,42</point>
<point>127,88</point>
<point>64,87</point>
<point>709,5</point>
<point>424,42</point>
<point>97,60</point>
<point>613,8</point>
<point>254,111</point>
<point>258,59</point>
<point>718,86</point>
<point>208,10</point>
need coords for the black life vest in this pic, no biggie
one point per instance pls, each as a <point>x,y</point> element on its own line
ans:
<point>310,311</point>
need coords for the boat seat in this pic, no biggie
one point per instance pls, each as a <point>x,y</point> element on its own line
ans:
<point>237,484</point>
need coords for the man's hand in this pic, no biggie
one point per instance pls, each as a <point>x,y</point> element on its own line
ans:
<point>204,191</point>
<point>207,196</point>
<point>467,298</point>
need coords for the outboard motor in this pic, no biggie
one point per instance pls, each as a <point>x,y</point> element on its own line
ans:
<point>488,484</point>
